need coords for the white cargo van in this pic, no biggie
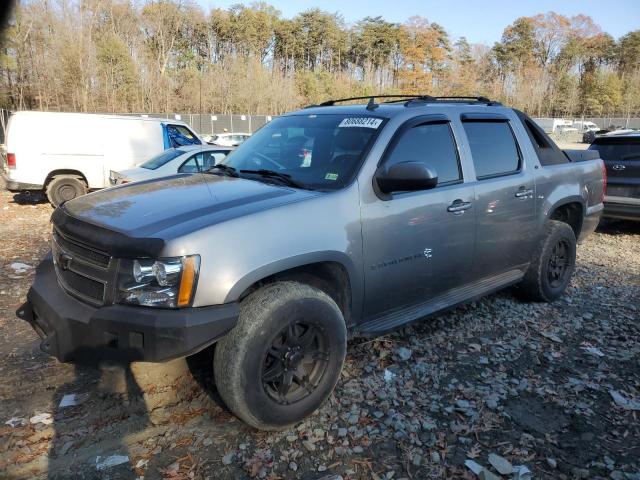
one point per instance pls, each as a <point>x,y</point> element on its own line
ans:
<point>584,126</point>
<point>67,154</point>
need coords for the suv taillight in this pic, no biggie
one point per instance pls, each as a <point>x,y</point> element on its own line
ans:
<point>604,181</point>
<point>11,160</point>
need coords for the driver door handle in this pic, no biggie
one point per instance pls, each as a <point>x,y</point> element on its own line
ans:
<point>458,207</point>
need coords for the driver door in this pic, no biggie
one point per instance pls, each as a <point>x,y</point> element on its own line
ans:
<point>418,245</point>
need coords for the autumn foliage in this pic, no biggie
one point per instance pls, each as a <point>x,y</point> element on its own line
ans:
<point>169,55</point>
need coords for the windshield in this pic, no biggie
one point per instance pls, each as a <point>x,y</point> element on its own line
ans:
<point>618,148</point>
<point>162,158</point>
<point>317,151</point>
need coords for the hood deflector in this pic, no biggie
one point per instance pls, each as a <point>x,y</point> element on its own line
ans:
<point>114,243</point>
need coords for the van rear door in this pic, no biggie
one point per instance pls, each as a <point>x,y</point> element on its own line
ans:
<point>129,142</point>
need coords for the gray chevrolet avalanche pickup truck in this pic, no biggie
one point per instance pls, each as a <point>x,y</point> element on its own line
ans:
<point>329,222</point>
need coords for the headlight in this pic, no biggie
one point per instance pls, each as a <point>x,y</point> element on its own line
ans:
<point>166,282</point>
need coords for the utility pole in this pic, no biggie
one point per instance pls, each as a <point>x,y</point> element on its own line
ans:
<point>200,95</point>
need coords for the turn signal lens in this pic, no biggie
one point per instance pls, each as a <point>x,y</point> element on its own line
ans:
<point>190,266</point>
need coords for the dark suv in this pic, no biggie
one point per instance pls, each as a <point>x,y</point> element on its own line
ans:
<point>621,155</point>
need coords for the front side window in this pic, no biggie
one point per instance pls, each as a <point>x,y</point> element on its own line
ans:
<point>431,144</point>
<point>162,158</point>
<point>179,135</point>
<point>493,148</point>
<point>317,151</point>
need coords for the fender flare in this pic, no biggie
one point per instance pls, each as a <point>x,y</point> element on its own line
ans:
<point>565,201</point>
<point>284,264</point>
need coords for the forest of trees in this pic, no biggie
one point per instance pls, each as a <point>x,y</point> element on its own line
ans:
<point>171,56</point>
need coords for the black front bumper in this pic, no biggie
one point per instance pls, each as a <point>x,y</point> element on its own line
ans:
<point>72,330</point>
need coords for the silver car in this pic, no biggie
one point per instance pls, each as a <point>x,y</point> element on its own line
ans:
<point>330,222</point>
<point>186,159</point>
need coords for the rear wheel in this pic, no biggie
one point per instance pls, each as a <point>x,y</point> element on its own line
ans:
<point>63,188</point>
<point>552,264</point>
<point>283,359</point>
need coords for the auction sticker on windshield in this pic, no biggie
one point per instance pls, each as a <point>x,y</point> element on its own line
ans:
<point>362,122</point>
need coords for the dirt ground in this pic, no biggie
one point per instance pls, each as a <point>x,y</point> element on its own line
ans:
<point>553,388</point>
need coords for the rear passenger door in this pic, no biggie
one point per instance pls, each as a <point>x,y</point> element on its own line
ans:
<point>504,196</point>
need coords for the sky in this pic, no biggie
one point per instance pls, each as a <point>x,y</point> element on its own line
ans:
<point>481,21</point>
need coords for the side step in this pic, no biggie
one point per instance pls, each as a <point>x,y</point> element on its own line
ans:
<point>391,320</point>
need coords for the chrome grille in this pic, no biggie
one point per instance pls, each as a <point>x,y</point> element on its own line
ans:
<point>82,271</point>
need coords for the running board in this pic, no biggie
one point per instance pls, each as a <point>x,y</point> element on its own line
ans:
<point>391,320</point>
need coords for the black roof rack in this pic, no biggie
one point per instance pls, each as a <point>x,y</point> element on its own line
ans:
<point>462,99</point>
<point>408,99</point>
<point>371,98</point>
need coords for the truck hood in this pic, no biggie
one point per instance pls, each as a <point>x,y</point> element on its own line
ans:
<point>173,206</point>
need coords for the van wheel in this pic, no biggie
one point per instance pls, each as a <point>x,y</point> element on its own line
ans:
<point>552,264</point>
<point>63,188</point>
<point>283,358</point>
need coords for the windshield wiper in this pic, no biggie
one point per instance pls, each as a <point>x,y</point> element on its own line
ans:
<point>224,170</point>
<point>284,177</point>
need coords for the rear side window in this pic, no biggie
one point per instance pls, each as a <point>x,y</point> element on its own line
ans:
<point>493,148</point>
<point>179,135</point>
<point>431,144</point>
<point>617,149</point>
<point>193,165</point>
<point>212,158</point>
<point>162,158</point>
<point>546,149</point>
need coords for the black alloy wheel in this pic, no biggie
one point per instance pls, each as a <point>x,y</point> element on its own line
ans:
<point>558,264</point>
<point>295,363</point>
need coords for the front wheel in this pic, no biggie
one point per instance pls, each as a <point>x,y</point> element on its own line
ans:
<point>283,358</point>
<point>552,264</point>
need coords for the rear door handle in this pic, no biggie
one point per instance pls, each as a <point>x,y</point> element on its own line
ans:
<point>618,167</point>
<point>458,207</point>
<point>524,193</point>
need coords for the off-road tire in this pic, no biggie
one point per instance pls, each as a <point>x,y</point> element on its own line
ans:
<point>240,355</point>
<point>63,188</point>
<point>536,285</point>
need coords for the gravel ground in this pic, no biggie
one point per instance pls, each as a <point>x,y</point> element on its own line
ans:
<point>494,386</point>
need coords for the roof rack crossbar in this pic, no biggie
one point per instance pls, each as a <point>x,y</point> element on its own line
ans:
<point>407,99</point>
<point>330,103</point>
<point>479,99</point>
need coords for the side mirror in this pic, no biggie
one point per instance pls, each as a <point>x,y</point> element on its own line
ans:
<point>406,177</point>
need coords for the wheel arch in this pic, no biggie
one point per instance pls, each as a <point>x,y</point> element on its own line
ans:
<point>64,171</point>
<point>332,272</point>
<point>570,211</point>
